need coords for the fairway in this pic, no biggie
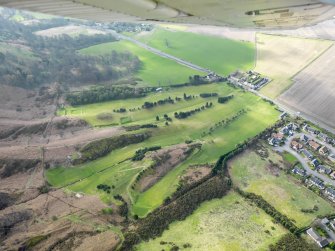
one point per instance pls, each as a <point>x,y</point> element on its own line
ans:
<point>252,174</point>
<point>220,55</point>
<point>155,70</point>
<point>258,116</point>
<point>281,57</point>
<point>229,224</point>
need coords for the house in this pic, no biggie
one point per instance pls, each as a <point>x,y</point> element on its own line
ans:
<point>304,138</point>
<point>296,145</point>
<point>324,221</point>
<point>331,157</point>
<point>309,129</point>
<point>317,182</point>
<point>323,136</point>
<point>330,192</point>
<point>321,241</point>
<point>332,175</point>
<point>276,139</point>
<point>323,150</point>
<point>307,154</point>
<point>315,162</point>
<point>314,145</point>
<point>332,223</point>
<point>278,136</point>
<point>292,126</point>
<point>299,171</point>
<point>324,169</point>
<point>273,142</point>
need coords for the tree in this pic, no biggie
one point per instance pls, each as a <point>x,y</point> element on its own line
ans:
<point>157,118</point>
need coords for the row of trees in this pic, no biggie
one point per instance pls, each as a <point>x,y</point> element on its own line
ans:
<point>208,95</point>
<point>184,115</point>
<point>269,209</point>
<point>225,122</point>
<point>157,221</point>
<point>148,105</point>
<point>225,99</point>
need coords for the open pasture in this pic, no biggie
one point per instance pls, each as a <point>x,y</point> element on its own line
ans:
<point>281,57</point>
<point>252,174</point>
<point>230,224</point>
<point>220,55</point>
<point>155,70</point>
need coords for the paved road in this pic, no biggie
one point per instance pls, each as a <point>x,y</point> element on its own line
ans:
<point>161,53</point>
<point>303,161</point>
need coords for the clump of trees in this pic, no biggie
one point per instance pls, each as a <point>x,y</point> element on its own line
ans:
<point>105,93</point>
<point>225,99</point>
<point>184,115</point>
<point>208,95</point>
<point>102,147</point>
<point>104,187</point>
<point>120,110</point>
<point>139,154</point>
<point>290,242</point>
<point>148,105</point>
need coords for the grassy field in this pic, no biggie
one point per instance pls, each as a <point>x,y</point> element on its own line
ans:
<point>289,158</point>
<point>215,53</point>
<point>286,194</point>
<point>155,71</point>
<point>281,57</point>
<point>70,30</point>
<point>228,224</point>
<point>19,51</point>
<point>259,114</point>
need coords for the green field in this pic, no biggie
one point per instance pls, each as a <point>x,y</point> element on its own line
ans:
<point>284,192</point>
<point>155,71</point>
<point>228,224</point>
<point>259,115</point>
<point>215,53</point>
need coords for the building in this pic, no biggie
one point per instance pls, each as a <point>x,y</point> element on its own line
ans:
<point>317,182</point>
<point>315,162</point>
<point>296,145</point>
<point>324,169</point>
<point>323,136</point>
<point>332,175</point>
<point>314,145</point>
<point>330,192</point>
<point>307,154</point>
<point>321,241</point>
<point>331,157</point>
<point>309,129</point>
<point>304,138</point>
<point>332,224</point>
<point>278,136</point>
<point>323,150</point>
<point>299,171</point>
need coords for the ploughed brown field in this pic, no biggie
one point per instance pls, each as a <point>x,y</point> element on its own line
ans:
<point>313,92</point>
